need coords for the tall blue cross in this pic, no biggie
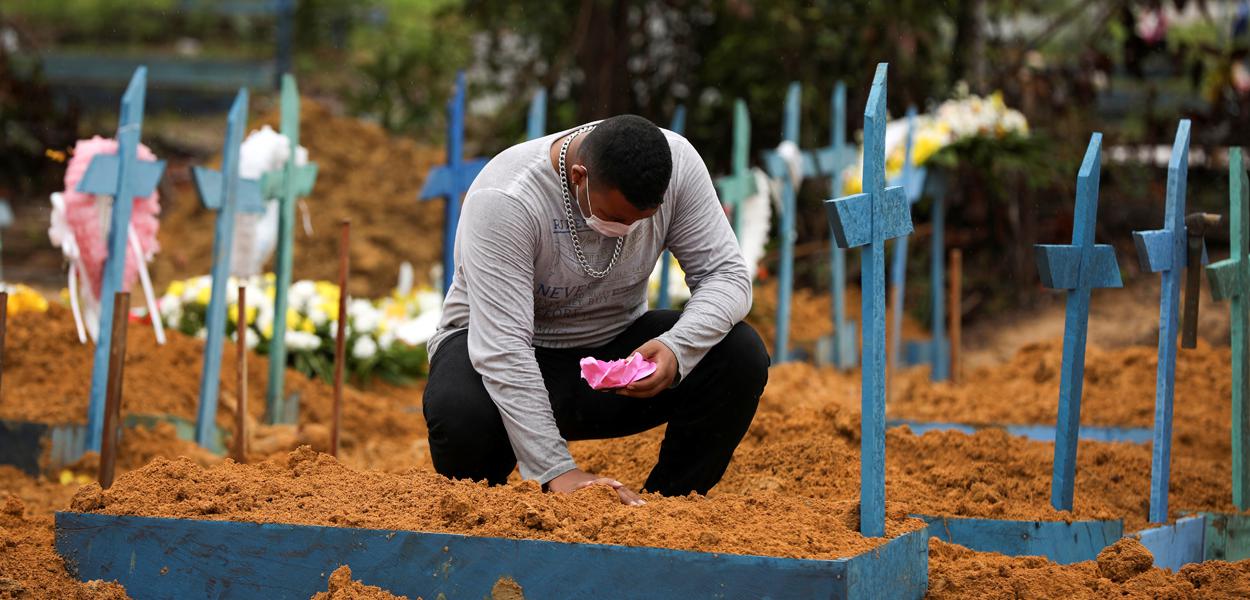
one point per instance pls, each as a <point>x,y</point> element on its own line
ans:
<point>124,176</point>
<point>1164,251</point>
<point>287,185</point>
<point>1078,268</point>
<point>778,168</point>
<point>867,220</point>
<point>832,160</point>
<point>739,185</point>
<point>536,121</point>
<point>1230,279</point>
<point>226,194</point>
<point>452,180</point>
<point>664,296</point>
<point>912,180</point>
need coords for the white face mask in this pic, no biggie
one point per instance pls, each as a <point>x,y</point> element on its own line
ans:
<point>610,229</point>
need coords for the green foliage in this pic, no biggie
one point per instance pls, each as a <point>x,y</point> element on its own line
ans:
<point>407,65</point>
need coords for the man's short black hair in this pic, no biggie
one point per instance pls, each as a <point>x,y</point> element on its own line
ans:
<point>631,154</point>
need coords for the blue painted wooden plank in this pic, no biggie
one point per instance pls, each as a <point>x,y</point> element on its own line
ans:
<point>176,558</point>
<point>101,176</point>
<point>229,202</point>
<point>1164,251</point>
<point>867,220</point>
<point>129,127</point>
<point>1060,541</point>
<point>736,187</point>
<point>536,120</point>
<point>1230,278</point>
<point>1177,544</point>
<point>1077,268</point>
<point>43,449</point>
<point>664,297</point>
<point>1038,432</point>
<point>452,180</point>
<point>1227,537</point>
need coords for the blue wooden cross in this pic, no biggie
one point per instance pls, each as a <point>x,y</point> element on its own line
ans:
<point>1230,279</point>
<point>739,185</point>
<point>452,180</point>
<point>287,185</point>
<point>536,122</point>
<point>832,160</point>
<point>1078,268</point>
<point>124,176</point>
<point>1164,251</point>
<point>868,219</point>
<point>664,296</point>
<point>225,193</point>
<point>778,168</point>
<point>912,180</point>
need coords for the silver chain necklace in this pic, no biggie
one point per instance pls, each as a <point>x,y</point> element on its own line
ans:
<point>568,211</point>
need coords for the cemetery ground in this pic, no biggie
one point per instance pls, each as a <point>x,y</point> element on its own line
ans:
<point>791,491</point>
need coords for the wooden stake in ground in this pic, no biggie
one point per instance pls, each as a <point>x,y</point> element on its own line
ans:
<point>4,325</point>
<point>113,399</point>
<point>1078,267</point>
<point>240,410</point>
<point>340,339</point>
<point>1163,251</point>
<point>1230,278</point>
<point>956,315</point>
<point>867,220</point>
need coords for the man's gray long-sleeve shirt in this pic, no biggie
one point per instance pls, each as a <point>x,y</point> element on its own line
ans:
<point>518,284</point>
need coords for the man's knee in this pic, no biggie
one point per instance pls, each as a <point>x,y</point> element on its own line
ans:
<point>466,434</point>
<point>747,357</point>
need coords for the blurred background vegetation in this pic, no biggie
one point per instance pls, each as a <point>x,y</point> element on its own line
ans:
<point>1127,68</point>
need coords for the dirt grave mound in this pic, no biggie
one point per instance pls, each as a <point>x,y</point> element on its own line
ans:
<point>306,487</point>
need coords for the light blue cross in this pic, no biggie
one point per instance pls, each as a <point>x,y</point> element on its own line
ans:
<point>832,160</point>
<point>1230,280</point>
<point>452,180</point>
<point>912,179</point>
<point>778,169</point>
<point>124,176</point>
<point>1078,268</point>
<point>536,121</point>
<point>867,220</point>
<point>288,184</point>
<point>664,296</point>
<point>1164,251</point>
<point>225,193</point>
<point>739,185</point>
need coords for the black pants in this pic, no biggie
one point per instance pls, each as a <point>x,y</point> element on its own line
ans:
<point>707,413</point>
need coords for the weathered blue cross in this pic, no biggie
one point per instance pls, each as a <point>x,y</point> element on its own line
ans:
<point>912,179</point>
<point>832,160</point>
<point>124,176</point>
<point>1078,268</point>
<point>739,185</point>
<point>868,219</point>
<point>287,185</point>
<point>1164,251</point>
<point>536,121</point>
<point>1230,279</point>
<point>663,295</point>
<point>225,193</point>
<point>452,180</point>
<point>779,168</point>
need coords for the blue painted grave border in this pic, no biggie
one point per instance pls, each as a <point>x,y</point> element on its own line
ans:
<point>1060,541</point>
<point>1041,433</point>
<point>180,558</point>
<point>23,443</point>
